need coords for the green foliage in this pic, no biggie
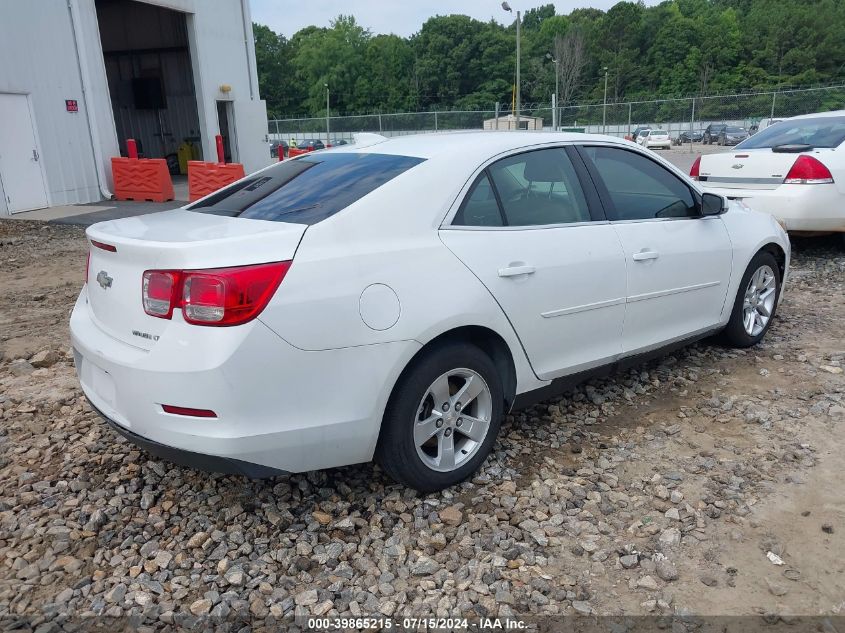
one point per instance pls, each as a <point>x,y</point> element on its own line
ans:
<point>678,47</point>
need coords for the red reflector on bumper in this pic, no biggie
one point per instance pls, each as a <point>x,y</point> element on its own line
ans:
<point>194,413</point>
<point>106,247</point>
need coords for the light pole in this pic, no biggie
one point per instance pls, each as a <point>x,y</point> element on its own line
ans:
<point>328,140</point>
<point>604,108</point>
<point>507,8</point>
<point>555,118</point>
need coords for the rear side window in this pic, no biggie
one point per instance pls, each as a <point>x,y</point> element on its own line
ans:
<point>639,188</point>
<point>480,207</point>
<point>534,188</point>
<point>307,190</point>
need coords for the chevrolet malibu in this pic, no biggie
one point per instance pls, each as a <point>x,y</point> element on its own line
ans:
<point>393,299</point>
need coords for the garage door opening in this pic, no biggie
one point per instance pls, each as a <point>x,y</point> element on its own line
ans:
<point>148,64</point>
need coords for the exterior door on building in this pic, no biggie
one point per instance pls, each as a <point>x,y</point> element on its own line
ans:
<point>20,163</point>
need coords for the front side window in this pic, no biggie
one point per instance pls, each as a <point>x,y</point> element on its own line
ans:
<point>639,188</point>
<point>306,190</point>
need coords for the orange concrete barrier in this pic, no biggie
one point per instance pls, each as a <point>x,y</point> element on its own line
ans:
<point>141,179</point>
<point>205,178</point>
<point>295,151</point>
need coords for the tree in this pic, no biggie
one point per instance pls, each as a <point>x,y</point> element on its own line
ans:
<point>571,53</point>
<point>676,47</point>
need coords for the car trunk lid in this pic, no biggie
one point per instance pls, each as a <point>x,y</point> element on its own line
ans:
<point>121,250</point>
<point>756,169</point>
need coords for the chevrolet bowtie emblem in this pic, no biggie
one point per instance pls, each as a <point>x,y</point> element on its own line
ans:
<point>104,280</point>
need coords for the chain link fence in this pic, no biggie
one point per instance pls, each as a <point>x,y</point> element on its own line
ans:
<point>617,119</point>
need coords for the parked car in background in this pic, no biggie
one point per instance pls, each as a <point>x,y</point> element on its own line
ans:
<point>339,141</point>
<point>275,146</point>
<point>711,133</point>
<point>637,131</point>
<point>311,144</point>
<point>762,125</point>
<point>793,170</point>
<point>275,325</point>
<point>731,135</point>
<point>687,136</point>
<point>654,139</point>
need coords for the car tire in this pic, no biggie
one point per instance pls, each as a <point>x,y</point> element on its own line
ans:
<point>748,323</point>
<point>414,411</point>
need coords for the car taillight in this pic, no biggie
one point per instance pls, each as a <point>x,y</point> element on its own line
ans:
<point>808,171</point>
<point>696,166</point>
<point>217,296</point>
<point>160,292</point>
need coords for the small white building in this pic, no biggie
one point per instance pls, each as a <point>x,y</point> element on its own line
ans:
<point>79,77</point>
<point>509,123</point>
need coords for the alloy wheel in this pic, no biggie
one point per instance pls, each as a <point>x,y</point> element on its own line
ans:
<point>759,302</point>
<point>453,419</point>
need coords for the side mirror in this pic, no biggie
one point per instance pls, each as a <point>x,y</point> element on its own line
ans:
<point>712,204</point>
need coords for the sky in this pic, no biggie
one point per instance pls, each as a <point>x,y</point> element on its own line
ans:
<point>402,17</point>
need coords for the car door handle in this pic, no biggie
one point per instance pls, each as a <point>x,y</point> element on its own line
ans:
<point>514,271</point>
<point>645,255</point>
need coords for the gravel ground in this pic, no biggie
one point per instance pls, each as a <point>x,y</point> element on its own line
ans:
<point>660,490</point>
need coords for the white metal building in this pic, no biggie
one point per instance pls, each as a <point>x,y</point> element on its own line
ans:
<point>78,77</point>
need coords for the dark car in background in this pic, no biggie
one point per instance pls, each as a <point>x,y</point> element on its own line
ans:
<point>711,133</point>
<point>639,131</point>
<point>311,144</point>
<point>731,135</point>
<point>274,148</point>
<point>686,136</point>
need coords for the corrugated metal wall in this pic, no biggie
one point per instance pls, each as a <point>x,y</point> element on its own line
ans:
<point>37,58</point>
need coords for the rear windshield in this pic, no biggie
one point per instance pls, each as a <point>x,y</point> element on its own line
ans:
<point>828,131</point>
<point>306,190</point>
<point>735,129</point>
<point>658,133</point>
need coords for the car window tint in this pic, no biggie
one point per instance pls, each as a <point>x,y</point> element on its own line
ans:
<point>479,207</point>
<point>538,188</point>
<point>639,188</point>
<point>307,190</point>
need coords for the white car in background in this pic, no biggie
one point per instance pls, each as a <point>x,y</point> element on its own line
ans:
<point>394,299</point>
<point>793,170</point>
<point>655,139</point>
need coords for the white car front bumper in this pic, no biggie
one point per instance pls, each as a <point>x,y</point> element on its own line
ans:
<point>278,408</point>
<point>795,207</point>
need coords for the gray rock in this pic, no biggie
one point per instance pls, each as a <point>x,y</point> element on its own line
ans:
<point>629,561</point>
<point>424,566</point>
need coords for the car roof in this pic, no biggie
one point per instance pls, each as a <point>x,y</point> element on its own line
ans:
<point>470,144</point>
<point>816,115</point>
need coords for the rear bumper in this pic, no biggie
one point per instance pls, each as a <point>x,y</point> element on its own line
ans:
<point>277,406</point>
<point>795,207</point>
<point>198,461</point>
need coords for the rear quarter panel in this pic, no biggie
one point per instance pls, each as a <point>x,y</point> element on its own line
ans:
<point>390,238</point>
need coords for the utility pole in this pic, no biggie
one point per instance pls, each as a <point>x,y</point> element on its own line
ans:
<point>604,108</point>
<point>328,140</point>
<point>507,8</point>
<point>556,99</point>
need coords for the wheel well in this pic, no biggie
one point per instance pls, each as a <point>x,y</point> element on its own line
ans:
<point>490,343</point>
<point>779,255</point>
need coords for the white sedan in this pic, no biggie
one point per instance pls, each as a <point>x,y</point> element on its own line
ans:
<point>655,139</point>
<point>794,170</point>
<point>395,300</point>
